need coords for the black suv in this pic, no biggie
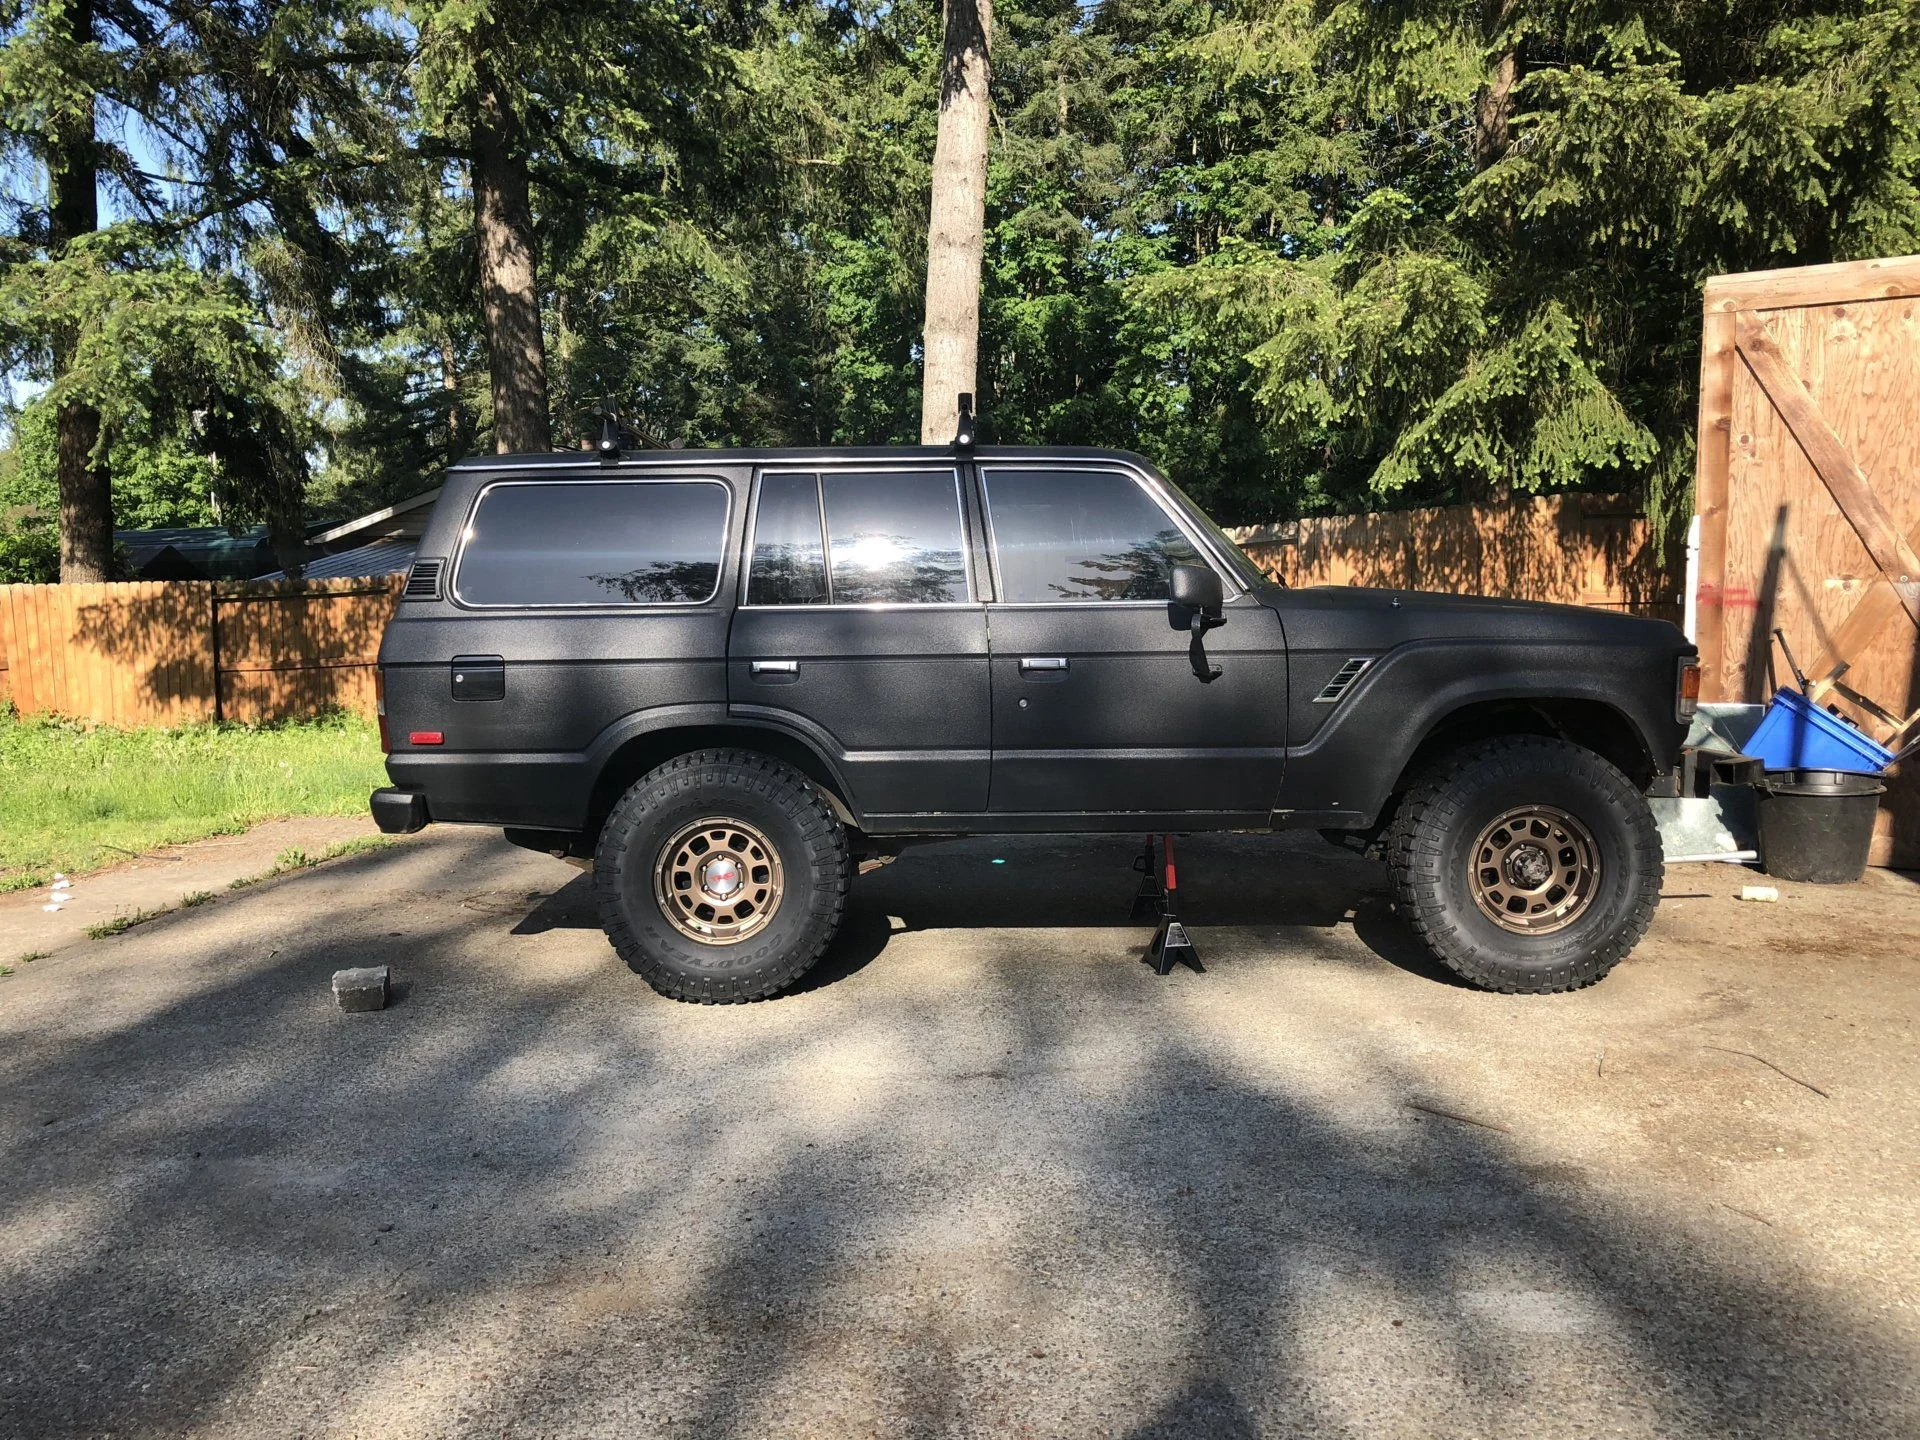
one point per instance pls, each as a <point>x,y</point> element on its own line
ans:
<point>724,676</point>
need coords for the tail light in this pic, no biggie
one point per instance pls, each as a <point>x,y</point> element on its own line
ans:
<point>380,708</point>
<point>1686,691</point>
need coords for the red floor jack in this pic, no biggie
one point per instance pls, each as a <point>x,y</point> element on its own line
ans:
<point>1159,899</point>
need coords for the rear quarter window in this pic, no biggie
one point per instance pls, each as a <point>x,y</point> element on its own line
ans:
<point>651,542</point>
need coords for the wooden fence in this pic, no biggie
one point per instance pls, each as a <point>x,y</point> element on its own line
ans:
<point>1809,500</point>
<point>167,652</point>
<point>1572,549</point>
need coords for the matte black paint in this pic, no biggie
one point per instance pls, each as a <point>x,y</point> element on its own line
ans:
<point>900,696</point>
<point>1126,726</point>
<point>915,713</point>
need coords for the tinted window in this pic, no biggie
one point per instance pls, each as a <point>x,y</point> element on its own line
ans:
<point>594,544</point>
<point>789,564</point>
<point>1061,535</point>
<point>895,538</point>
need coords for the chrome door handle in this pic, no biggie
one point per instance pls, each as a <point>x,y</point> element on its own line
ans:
<point>773,667</point>
<point>1031,664</point>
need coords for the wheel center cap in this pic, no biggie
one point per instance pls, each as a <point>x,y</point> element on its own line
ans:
<point>720,876</point>
<point>1529,867</point>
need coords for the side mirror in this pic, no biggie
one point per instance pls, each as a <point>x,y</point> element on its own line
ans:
<point>1197,589</point>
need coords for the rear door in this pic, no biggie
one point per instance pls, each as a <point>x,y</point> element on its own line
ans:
<point>860,628</point>
<point>1099,705</point>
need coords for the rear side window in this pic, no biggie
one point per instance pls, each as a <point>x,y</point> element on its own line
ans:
<point>654,542</point>
<point>1063,535</point>
<point>895,539</point>
<point>892,538</point>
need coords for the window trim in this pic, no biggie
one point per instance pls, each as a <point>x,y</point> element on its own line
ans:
<point>878,467</point>
<point>617,607</point>
<point>1230,582</point>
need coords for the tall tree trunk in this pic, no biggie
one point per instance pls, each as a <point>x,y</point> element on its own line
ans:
<point>1493,110</point>
<point>957,220</point>
<point>86,492</point>
<point>509,289</point>
<point>1493,106</point>
<point>456,412</point>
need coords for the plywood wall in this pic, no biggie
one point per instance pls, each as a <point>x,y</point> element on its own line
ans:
<point>1776,548</point>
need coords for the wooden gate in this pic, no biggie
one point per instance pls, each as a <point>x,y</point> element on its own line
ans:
<point>1809,498</point>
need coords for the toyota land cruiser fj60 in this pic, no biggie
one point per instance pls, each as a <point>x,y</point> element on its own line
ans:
<point>721,677</point>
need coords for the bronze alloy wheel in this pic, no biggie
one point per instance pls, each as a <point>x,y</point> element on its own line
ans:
<point>1535,870</point>
<point>718,881</point>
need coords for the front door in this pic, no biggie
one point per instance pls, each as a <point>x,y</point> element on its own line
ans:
<point>860,628</point>
<point>1101,704</point>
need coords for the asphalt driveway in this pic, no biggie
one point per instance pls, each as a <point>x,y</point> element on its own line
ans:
<point>984,1175</point>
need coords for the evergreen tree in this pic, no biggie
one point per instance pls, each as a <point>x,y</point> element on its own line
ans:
<point>573,104</point>
<point>53,71</point>
<point>1310,255</point>
<point>1513,211</point>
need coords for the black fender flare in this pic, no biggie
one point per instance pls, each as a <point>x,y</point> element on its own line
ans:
<point>1345,774</point>
<point>709,724</point>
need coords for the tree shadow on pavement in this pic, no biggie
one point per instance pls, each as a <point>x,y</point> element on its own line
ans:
<point>538,1200</point>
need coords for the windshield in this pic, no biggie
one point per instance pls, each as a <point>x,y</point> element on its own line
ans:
<point>1248,573</point>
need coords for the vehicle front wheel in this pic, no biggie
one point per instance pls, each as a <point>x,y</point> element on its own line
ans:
<point>1526,865</point>
<point>721,876</point>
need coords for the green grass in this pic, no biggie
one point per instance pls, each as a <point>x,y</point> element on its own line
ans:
<point>294,858</point>
<point>74,797</point>
<point>107,928</point>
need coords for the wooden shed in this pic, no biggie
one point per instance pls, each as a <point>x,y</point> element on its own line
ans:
<point>1808,493</point>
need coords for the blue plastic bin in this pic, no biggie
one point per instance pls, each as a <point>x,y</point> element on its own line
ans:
<point>1796,734</point>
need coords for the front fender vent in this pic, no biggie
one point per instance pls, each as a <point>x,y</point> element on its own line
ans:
<point>1342,680</point>
<point>423,580</point>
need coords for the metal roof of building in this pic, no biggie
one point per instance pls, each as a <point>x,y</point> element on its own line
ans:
<point>206,552</point>
<point>381,557</point>
<point>399,518</point>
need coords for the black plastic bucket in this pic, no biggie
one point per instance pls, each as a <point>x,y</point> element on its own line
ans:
<point>1816,825</point>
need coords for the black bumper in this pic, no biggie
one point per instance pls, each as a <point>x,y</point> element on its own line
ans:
<point>399,812</point>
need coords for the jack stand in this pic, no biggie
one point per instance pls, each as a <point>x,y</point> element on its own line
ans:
<point>1171,942</point>
<point>1151,899</point>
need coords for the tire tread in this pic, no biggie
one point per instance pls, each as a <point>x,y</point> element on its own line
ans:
<point>1416,842</point>
<point>771,780</point>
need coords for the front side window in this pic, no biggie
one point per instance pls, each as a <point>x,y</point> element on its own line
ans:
<point>594,543</point>
<point>1062,535</point>
<point>891,538</point>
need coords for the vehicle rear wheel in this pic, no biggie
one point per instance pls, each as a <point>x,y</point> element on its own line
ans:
<point>1526,865</point>
<point>721,876</point>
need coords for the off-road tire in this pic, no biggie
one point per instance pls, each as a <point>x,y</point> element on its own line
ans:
<point>1442,816</point>
<point>782,805</point>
